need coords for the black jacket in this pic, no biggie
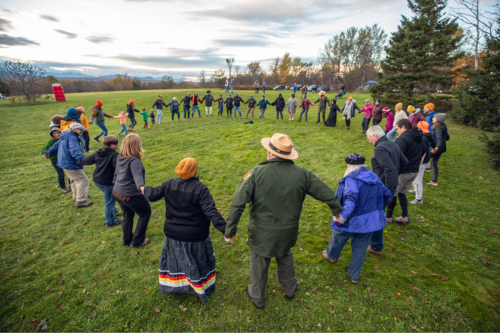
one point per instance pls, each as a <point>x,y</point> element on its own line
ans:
<point>208,100</point>
<point>229,103</point>
<point>412,146</point>
<point>237,100</point>
<point>429,142</point>
<point>129,176</point>
<point>441,136</point>
<point>158,104</point>
<point>189,208</point>
<point>387,162</point>
<point>220,102</point>
<point>130,111</point>
<point>186,100</point>
<point>105,164</point>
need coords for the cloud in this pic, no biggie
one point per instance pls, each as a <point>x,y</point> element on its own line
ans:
<point>69,35</point>
<point>49,18</point>
<point>98,39</point>
<point>241,42</point>
<point>6,41</point>
<point>5,24</point>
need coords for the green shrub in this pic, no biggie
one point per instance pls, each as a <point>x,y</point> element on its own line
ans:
<point>492,147</point>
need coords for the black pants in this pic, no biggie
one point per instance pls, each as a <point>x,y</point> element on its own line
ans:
<point>133,122</point>
<point>140,206</point>
<point>348,122</point>
<point>86,137</point>
<point>376,122</point>
<point>434,162</point>
<point>229,112</point>
<point>366,124</point>
<point>403,201</point>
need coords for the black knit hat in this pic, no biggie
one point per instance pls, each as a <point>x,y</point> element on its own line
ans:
<point>355,159</point>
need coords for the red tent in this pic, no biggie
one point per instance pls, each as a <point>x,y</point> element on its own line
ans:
<point>58,92</point>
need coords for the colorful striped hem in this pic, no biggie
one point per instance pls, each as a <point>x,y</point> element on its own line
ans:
<point>176,280</point>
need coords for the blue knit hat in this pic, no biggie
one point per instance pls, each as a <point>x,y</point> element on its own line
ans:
<point>355,159</point>
<point>251,95</point>
<point>378,100</point>
<point>72,113</point>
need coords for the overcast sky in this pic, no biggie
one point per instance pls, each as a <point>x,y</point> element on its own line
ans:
<point>155,37</point>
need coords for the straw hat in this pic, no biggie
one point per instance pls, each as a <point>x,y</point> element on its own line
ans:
<point>321,93</point>
<point>280,145</point>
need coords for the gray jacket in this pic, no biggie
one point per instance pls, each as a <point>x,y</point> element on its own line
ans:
<point>292,104</point>
<point>129,176</point>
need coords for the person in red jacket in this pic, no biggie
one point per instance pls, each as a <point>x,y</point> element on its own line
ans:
<point>306,103</point>
<point>377,112</point>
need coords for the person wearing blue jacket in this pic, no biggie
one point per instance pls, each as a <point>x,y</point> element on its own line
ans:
<point>429,114</point>
<point>363,198</point>
<point>280,104</point>
<point>68,150</point>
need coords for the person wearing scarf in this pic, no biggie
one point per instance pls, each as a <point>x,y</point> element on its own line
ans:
<point>348,111</point>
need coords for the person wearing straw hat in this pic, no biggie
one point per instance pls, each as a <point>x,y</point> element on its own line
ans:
<point>187,263</point>
<point>275,190</point>
<point>324,102</point>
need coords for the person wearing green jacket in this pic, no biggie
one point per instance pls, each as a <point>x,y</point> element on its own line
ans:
<point>145,116</point>
<point>55,134</point>
<point>276,190</point>
<point>324,102</point>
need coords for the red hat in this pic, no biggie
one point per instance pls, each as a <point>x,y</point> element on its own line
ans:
<point>98,103</point>
<point>131,101</point>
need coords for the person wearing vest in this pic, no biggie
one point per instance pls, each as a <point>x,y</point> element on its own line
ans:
<point>195,101</point>
<point>275,190</point>
<point>98,116</point>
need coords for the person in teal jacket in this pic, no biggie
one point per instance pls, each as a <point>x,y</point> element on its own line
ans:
<point>55,134</point>
<point>145,116</point>
<point>263,105</point>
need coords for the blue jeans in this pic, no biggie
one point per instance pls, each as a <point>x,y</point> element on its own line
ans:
<point>264,90</point>
<point>104,130</point>
<point>231,89</point>
<point>221,111</point>
<point>279,113</point>
<point>227,88</point>
<point>237,108</point>
<point>159,115</point>
<point>359,244</point>
<point>124,129</point>
<point>377,242</point>
<point>186,110</point>
<point>262,110</point>
<point>174,113</point>
<point>196,107</point>
<point>109,203</point>
<point>304,111</point>
<point>392,134</point>
<point>146,122</point>
<point>60,175</point>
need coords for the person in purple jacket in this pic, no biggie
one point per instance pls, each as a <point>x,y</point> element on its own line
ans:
<point>363,198</point>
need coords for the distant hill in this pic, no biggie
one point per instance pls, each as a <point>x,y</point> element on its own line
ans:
<point>68,74</point>
<point>77,76</point>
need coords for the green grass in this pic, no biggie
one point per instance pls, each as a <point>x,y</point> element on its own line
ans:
<point>449,251</point>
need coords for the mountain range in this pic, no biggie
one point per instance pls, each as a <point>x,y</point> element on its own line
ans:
<point>78,75</point>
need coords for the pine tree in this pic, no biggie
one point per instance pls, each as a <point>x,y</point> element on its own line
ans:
<point>478,98</point>
<point>419,58</point>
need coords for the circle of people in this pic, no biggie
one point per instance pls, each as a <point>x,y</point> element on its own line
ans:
<point>275,190</point>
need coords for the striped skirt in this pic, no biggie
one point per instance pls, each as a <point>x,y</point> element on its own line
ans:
<point>187,267</point>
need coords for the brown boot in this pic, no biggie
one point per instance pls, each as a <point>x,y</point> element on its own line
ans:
<point>372,251</point>
<point>402,219</point>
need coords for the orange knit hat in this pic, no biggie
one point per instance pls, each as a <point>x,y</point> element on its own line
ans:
<point>98,103</point>
<point>423,126</point>
<point>131,101</point>
<point>430,106</point>
<point>350,98</point>
<point>187,168</point>
<point>81,109</point>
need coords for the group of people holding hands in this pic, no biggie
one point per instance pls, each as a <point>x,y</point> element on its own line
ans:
<point>275,190</point>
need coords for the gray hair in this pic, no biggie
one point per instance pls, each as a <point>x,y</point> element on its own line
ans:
<point>375,130</point>
<point>174,99</point>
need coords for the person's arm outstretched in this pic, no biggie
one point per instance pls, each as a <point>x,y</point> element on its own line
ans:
<point>153,194</point>
<point>89,160</point>
<point>207,204</point>
<point>242,196</point>
<point>322,192</point>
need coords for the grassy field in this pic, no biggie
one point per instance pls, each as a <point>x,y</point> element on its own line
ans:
<point>62,267</point>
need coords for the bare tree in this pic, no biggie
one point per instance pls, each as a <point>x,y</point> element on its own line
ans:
<point>23,79</point>
<point>202,78</point>
<point>237,70</point>
<point>230,62</point>
<point>479,25</point>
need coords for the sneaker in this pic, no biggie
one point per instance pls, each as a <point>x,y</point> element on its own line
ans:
<point>96,138</point>
<point>411,191</point>
<point>347,129</point>
<point>372,251</point>
<point>146,242</point>
<point>402,219</point>
<point>65,190</point>
<point>109,226</point>
<point>430,182</point>
<point>117,212</point>
<point>325,255</point>
<point>389,219</point>
<point>84,204</point>
<point>417,202</point>
<point>354,281</point>
<point>293,118</point>
<point>428,169</point>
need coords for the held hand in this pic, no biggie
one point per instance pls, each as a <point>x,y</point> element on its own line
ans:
<point>228,240</point>
<point>142,190</point>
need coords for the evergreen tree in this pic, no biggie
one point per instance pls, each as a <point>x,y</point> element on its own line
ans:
<point>478,98</point>
<point>419,58</point>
